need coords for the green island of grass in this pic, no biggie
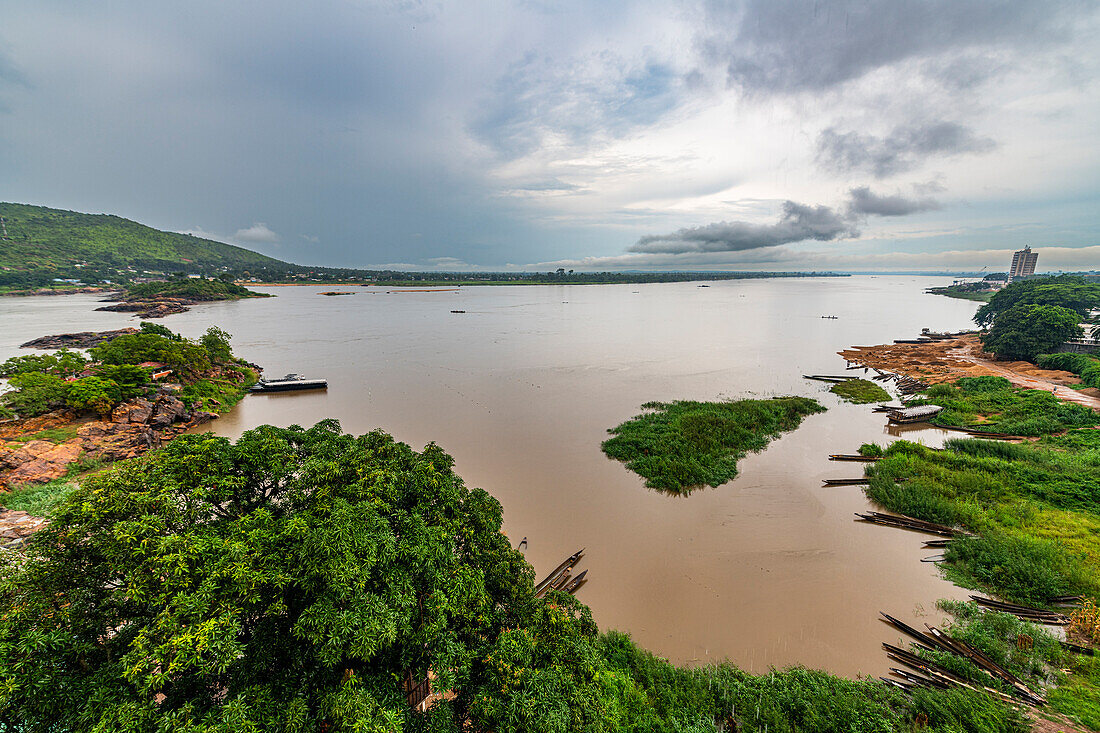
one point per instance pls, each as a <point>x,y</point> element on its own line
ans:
<point>994,405</point>
<point>860,391</point>
<point>679,446</point>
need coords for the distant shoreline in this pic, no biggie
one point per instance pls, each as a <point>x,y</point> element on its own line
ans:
<point>576,279</point>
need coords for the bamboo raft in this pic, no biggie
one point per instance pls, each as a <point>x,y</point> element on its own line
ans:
<point>937,640</point>
<point>853,457</point>
<point>903,522</point>
<point>1027,613</point>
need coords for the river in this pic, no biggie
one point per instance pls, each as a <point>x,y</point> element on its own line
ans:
<point>767,570</point>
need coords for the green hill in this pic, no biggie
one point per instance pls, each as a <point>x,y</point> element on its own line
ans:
<point>41,238</point>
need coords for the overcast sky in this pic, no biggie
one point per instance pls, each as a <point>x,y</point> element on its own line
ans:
<point>588,134</point>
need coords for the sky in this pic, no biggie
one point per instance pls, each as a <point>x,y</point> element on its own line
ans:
<point>585,134</point>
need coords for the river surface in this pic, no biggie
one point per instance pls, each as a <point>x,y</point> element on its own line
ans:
<point>767,570</point>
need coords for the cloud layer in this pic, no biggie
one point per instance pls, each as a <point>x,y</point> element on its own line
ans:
<point>484,133</point>
<point>903,149</point>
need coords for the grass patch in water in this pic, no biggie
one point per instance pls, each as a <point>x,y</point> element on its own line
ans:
<point>860,391</point>
<point>678,446</point>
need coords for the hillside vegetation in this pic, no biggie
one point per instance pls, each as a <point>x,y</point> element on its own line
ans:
<point>44,239</point>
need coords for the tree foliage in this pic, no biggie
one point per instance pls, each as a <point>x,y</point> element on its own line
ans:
<point>35,393</point>
<point>1064,291</point>
<point>93,393</point>
<point>62,363</point>
<point>186,358</point>
<point>1025,331</point>
<point>116,375</point>
<point>284,583</point>
<point>216,343</point>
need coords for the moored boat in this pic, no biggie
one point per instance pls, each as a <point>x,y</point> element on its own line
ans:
<point>288,383</point>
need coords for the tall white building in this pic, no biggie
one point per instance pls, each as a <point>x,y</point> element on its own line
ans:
<point>1023,263</point>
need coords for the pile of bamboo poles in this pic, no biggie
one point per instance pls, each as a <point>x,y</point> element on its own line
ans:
<point>1027,613</point>
<point>935,675</point>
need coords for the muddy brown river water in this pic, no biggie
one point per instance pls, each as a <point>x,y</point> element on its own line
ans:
<point>767,570</point>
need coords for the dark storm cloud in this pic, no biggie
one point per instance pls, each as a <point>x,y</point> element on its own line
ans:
<point>905,148</point>
<point>798,223</point>
<point>796,45</point>
<point>862,202</point>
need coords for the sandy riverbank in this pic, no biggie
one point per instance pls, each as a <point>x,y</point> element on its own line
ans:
<point>945,361</point>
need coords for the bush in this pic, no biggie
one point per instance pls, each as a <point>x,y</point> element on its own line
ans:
<point>93,393</point>
<point>36,393</point>
<point>1084,366</point>
<point>993,404</point>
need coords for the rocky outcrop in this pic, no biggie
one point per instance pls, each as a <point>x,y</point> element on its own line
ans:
<point>16,527</point>
<point>37,461</point>
<point>131,429</point>
<point>151,308</point>
<point>80,340</point>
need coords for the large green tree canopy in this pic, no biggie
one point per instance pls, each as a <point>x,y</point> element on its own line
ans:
<point>1025,331</point>
<point>285,582</point>
<point>1064,291</point>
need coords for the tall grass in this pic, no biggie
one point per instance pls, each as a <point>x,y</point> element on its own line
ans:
<point>1036,508</point>
<point>37,499</point>
<point>992,404</point>
<point>656,696</point>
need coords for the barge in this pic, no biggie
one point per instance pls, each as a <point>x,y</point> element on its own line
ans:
<point>288,383</point>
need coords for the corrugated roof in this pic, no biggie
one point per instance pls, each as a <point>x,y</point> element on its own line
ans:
<point>919,411</point>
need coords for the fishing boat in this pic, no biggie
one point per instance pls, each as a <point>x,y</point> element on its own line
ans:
<point>572,586</point>
<point>557,572</point>
<point>288,383</point>
<point>853,457</point>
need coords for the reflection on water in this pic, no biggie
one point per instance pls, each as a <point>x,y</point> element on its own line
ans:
<point>769,569</point>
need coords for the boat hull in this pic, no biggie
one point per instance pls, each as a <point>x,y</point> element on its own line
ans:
<point>262,387</point>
